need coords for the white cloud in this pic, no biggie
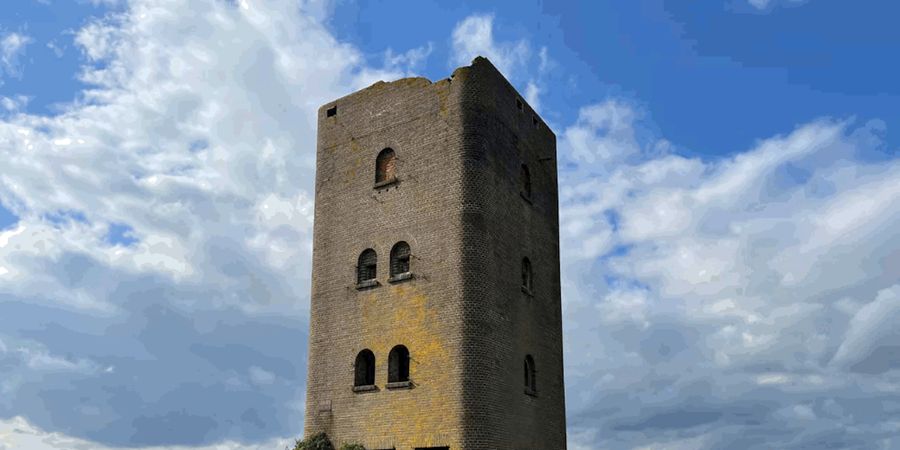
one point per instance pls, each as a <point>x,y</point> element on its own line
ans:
<point>766,4</point>
<point>717,285</point>
<point>474,36</point>
<point>197,134</point>
<point>17,433</point>
<point>12,47</point>
<point>261,376</point>
<point>603,132</point>
<point>872,340</point>
<point>134,142</point>
<point>409,61</point>
<point>40,360</point>
<point>13,104</point>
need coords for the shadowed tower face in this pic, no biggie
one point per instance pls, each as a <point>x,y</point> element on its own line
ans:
<point>435,310</point>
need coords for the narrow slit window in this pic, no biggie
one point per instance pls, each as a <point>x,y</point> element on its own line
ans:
<point>527,276</point>
<point>530,382</point>
<point>366,268</point>
<point>519,105</point>
<point>525,180</point>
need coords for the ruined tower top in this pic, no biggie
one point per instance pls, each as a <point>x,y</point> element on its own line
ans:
<point>435,309</point>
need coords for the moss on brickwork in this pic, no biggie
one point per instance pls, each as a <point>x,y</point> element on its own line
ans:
<point>318,441</point>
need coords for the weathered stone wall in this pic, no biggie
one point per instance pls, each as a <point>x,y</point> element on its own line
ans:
<point>503,323</point>
<point>460,143</point>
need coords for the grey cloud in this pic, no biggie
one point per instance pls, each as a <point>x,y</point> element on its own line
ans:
<point>169,369</point>
<point>745,305</point>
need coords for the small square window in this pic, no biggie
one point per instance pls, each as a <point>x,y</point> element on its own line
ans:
<point>331,112</point>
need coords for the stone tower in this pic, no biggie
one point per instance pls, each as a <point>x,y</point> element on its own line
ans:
<point>435,310</point>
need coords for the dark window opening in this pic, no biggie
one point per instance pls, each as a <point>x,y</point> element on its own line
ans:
<point>534,120</point>
<point>331,112</point>
<point>366,266</point>
<point>399,259</point>
<point>527,276</point>
<point>525,179</point>
<point>386,166</point>
<point>519,105</point>
<point>398,365</point>
<point>530,383</point>
<point>364,369</point>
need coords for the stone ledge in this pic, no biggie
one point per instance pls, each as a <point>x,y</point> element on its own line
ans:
<point>386,183</point>
<point>368,284</point>
<point>365,388</point>
<point>401,277</point>
<point>399,385</point>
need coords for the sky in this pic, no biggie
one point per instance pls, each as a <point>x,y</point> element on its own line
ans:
<point>729,200</point>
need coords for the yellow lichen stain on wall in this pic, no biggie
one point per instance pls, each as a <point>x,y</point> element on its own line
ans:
<point>404,315</point>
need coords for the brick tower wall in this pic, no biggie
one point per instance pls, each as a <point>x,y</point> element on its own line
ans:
<point>460,143</point>
<point>421,122</point>
<point>500,227</point>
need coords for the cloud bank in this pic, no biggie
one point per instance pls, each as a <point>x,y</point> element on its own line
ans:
<point>739,303</point>
<point>153,288</point>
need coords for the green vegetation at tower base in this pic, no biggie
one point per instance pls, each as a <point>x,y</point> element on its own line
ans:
<point>320,441</point>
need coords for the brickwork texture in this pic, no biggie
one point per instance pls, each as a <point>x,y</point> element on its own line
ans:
<point>458,202</point>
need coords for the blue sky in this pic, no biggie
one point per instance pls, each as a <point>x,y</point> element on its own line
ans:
<point>729,190</point>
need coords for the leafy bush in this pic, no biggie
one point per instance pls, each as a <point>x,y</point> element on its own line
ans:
<point>352,447</point>
<point>317,441</point>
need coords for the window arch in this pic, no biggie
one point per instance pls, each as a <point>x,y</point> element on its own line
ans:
<point>525,180</point>
<point>530,375</point>
<point>386,166</point>
<point>527,276</point>
<point>399,259</point>
<point>366,267</point>
<point>364,369</point>
<point>398,364</point>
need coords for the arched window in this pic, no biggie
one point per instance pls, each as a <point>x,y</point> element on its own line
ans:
<point>526,181</point>
<point>364,369</point>
<point>399,259</point>
<point>527,276</point>
<point>398,365</point>
<point>366,266</point>
<point>385,166</point>
<point>530,384</point>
